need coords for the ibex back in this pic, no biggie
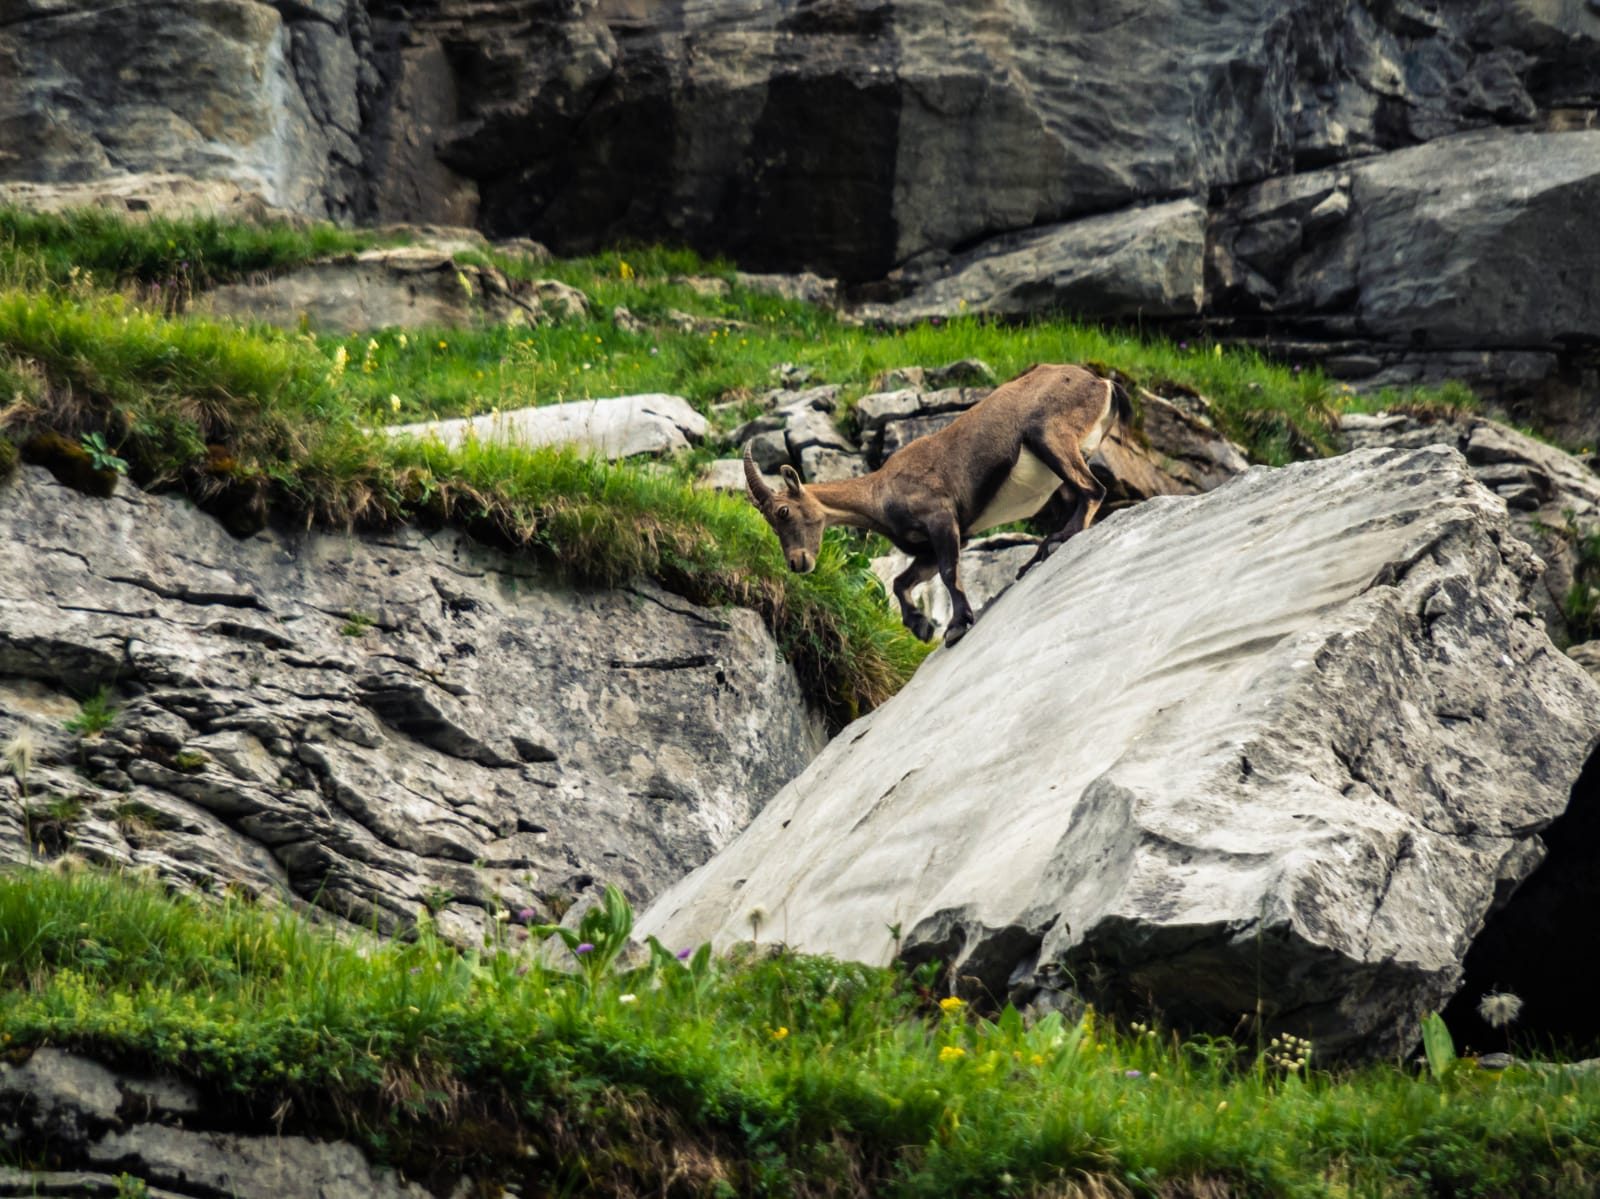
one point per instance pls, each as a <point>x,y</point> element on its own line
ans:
<point>1001,460</point>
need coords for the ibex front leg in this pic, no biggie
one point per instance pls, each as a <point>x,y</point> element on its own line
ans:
<point>919,572</point>
<point>946,539</point>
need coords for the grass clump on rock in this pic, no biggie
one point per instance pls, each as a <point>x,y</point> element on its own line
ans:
<point>773,1073</point>
<point>258,423</point>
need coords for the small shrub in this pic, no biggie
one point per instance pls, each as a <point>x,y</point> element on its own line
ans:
<point>357,624</point>
<point>95,714</point>
<point>190,761</point>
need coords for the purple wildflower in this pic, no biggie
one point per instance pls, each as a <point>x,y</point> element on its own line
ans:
<point>1183,345</point>
<point>525,916</point>
<point>583,948</point>
<point>1133,1074</point>
<point>683,954</point>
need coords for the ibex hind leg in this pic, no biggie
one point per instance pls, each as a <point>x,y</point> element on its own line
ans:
<point>1079,488</point>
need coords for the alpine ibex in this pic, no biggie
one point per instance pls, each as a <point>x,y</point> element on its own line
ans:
<point>999,461</point>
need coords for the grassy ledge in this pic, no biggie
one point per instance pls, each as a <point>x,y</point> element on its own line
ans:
<point>766,1074</point>
<point>101,365</point>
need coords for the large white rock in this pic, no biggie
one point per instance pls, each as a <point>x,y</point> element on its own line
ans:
<point>1278,746</point>
<point>614,428</point>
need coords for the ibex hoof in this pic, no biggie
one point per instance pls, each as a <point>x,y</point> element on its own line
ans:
<point>921,627</point>
<point>956,631</point>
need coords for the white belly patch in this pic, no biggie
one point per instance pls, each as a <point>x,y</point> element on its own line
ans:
<point>1024,492</point>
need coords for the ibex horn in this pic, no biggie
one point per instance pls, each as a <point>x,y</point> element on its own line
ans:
<point>759,491</point>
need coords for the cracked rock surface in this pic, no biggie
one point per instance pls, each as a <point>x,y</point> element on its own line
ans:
<point>369,724</point>
<point>1287,742</point>
<point>97,1124</point>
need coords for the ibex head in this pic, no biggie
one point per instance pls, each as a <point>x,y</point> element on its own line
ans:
<point>795,516</point>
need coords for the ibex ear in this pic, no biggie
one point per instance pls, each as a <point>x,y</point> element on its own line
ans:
<point>791,480</point>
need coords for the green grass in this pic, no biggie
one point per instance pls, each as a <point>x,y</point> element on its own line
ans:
<point>96,713</point>
<point>258,423</point>
<point>253,423</point>
<point>176,256</point>
<point>768,1074</point>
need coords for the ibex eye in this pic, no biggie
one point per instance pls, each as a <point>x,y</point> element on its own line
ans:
<point>783,512</point>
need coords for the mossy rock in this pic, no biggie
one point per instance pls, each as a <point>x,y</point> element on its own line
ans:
<point>9,457</point>
<point>70,463</point>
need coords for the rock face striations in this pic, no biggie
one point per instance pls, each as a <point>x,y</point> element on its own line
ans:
<point>1399,188</point>
<point>375,724</point>
<point>1280,747</point>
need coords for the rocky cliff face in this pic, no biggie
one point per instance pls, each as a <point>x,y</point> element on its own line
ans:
<point>373,725</point>
<point>1276,749</point>
<point>1174,161</point>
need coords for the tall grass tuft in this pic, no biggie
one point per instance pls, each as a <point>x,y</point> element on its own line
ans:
<point>795,1074</point>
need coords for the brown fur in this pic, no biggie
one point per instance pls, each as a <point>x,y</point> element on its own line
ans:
<point>933,494</point>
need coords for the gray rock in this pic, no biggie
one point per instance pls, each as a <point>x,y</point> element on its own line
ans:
<point>614,428</point>
<point>874,411</point>
<point>824,464</point>
<point>1587,656</point>
<point>250,1167</point>
<point>770,450</point>
<point>1300,785</point>
<point>235,90</point>
<point>895,435</point>
<point>807,427</point>
<point>1142,261</point>
<point>140,194</point>
<point>1554,498</point>
<point>405,287</point>
<point>326,718</point>
<point>100,1124</point>
<point>727,119</point>
<point>806,287</point>
<point>727,474</point>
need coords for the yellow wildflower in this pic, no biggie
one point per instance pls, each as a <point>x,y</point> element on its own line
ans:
<point>951,1053</point>
<point>780,1032</point>
<point>952,1004</point>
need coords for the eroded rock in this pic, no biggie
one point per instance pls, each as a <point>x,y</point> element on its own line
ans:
<point>102,1124</point>
<point>374,725</point>
<point>1278,747</point>
<point>1553,498</point>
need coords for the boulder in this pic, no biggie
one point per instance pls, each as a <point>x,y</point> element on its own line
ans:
<point>614,428</point>
<point>1275,749</point>
<point>1136,262</point>
<point>373,725</point>
<point>406,287</point>
<point>825,464</point>
<point>1553,498</point>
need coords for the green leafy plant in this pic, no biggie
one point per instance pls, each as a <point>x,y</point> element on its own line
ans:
<point>601,936</point>
<point>1438,1047</point>
<point>101,456</point>
<point>96,713</point>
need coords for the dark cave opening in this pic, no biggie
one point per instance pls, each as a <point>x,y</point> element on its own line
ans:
<point>1544,945</point>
